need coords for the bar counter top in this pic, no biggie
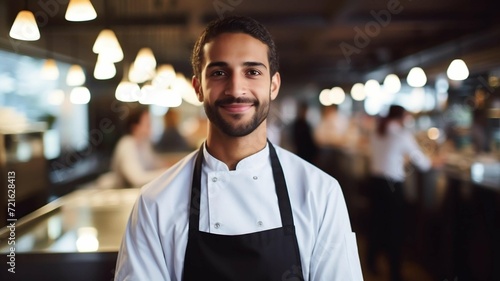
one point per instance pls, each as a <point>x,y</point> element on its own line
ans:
<point>75,237</point>
<point>88,220</point>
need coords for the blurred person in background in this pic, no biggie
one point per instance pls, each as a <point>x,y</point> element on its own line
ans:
<point>332,128</point>
<point>478,131</point>
<point>171,139</point>
<point>134,162</point>
<point>302,135</point>
<point>390,145</point>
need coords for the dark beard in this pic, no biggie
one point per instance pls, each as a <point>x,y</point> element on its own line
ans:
<point>261,112</point>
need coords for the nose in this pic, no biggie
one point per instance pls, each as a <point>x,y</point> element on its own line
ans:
<point>236,85</point>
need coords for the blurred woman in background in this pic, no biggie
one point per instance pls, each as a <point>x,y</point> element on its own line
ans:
<point>391,145</point>
<point>134,161</point>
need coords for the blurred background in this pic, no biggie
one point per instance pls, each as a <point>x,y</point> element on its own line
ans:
<point>73,72</point>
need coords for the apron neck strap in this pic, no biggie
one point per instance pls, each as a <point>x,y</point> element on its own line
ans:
<point>281,190</point>
<point>194,206</point>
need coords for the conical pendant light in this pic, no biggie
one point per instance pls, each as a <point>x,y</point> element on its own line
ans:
<point>127,91</point>
<point>392,84</point>
<point>80,95</point>
<point>372,88</point>
<point>76,76</point>
<point>416,77</point>
<point>457,70</point>
<point>25,27</point>
<point>104,69</point>
<point>50,71</point>
<point>107,46</point>
<point>80,10</point>
<point>145,60</point>
<point>358,92</point>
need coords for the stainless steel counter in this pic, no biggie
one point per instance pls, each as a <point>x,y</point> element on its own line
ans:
<point>82,221</point>
<point>75,237</point>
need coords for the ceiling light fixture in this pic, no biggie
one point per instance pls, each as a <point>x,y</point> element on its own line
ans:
<point>76,76</point>
<point>416,77</point>
<point>127,91</point>
<point>104,69</point>
<point>183,86</point>
<point>145,60</point>
<point>79,95</point>
<point>392,84</point>
<point>337,95</point>
<point>324,97</point>
<point>372,88</point>
<point>137,75</point>
<point>25,27</point>
<point>165,76</point>
<point>80,10</point>
<point>358,92</point>
<point>107,46</point>
<point>457,70</point>
<point>50,70</point>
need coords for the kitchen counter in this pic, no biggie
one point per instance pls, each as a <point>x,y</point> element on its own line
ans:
<point>75,237</point>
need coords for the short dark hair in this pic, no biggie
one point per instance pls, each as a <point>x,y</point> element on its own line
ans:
<point>135,117</point>
<point>396,112</point>
<point>234,24</point>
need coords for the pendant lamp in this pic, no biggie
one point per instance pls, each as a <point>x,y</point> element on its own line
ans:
<point>104,69</point>
<point>358,92</point>
<point>392,84</point>
<point>337,95</point>
<point>80,10</point>
<point>79,95</point>
<point>457,70</point>
<point>76,76</point>
<point>416,77</point>
<point>107,46</point>
<point>50,70</point>
<point>25,27</point>
<point>372,88</point>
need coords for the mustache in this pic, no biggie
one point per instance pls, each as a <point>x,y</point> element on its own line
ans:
<point>233,100</point>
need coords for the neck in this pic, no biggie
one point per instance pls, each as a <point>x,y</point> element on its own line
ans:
<point>138,138</point>
<point>231,150</point>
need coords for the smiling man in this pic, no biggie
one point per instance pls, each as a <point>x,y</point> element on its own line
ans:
<point>239,208</point>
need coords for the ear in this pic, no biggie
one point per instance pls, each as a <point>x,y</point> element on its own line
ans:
<point>197,88</point>
<point>275,85</point>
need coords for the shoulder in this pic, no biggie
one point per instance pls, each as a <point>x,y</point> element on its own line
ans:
<point>404,134</point>
<point>125,141</point>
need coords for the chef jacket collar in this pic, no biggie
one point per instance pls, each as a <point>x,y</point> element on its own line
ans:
<point>253,161</point>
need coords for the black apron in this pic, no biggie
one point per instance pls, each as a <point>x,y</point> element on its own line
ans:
<point>267,255</point>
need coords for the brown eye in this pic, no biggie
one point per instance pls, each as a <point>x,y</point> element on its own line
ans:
<point>253,72</point>
<point>218,73</point>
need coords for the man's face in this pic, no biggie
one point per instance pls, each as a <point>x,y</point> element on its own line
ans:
<point>235,84</point>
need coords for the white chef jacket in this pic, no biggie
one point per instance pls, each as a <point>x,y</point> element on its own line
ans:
<point>234,202</point>
<point>388,153</point>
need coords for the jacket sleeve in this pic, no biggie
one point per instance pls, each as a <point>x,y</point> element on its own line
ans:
<point>415,153</point>
<point>141,253</point>
<point>335,254</point>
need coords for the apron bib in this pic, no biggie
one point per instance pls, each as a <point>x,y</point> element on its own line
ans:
<point>260,256</point>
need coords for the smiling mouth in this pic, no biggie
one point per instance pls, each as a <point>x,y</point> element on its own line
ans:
<point>237,107</point>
